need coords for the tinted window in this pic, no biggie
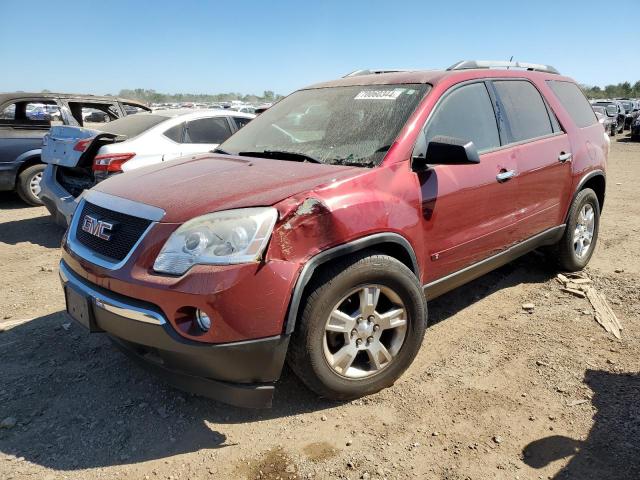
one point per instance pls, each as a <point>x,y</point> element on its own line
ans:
<point>574,101</point>
<point>175,133</point>
<point>526,113</point>
<point>466,114</point>
<point>241,121</point>
<point>207,130</point>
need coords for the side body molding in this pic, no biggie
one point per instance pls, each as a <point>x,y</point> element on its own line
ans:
<point>338,251</point>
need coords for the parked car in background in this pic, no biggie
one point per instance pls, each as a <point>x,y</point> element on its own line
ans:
<point>635,129</point>
<point>631,111</point>
<point>78,158</point>
<point>24,120</point>
<point>614,106</point>
<point>320,243</point>
<point>608,121</point>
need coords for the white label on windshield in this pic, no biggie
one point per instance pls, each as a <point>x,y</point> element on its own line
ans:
<point>379,94</point>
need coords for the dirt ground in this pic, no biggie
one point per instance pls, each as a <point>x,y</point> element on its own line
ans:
<point>494,393</point>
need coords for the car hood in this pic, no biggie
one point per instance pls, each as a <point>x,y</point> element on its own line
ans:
<point>200,184</point>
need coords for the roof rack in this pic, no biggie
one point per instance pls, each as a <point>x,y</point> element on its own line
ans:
<point>473,64</point>
<point>357,73</point>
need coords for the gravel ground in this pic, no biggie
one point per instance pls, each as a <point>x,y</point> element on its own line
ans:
<point>496,392</point>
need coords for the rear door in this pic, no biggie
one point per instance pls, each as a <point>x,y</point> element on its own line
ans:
<point>468,210</point>
<point>543,153</point>
<point>205,134</point>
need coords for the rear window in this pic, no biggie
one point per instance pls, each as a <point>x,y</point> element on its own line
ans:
<point>133,125</point>
<point>525,110</point>
<point>574,101</point>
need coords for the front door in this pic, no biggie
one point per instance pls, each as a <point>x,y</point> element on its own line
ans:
<point>469,211</point>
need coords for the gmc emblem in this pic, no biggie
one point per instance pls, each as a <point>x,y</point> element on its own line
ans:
<point>97,228</point>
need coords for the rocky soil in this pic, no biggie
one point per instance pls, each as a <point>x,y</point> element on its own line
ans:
<point>497,391</point>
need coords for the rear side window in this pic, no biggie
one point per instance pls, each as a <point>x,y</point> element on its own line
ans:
<point>208,130</point>
<point>467,114</point>
<point>241,121</point>
<point>526,113</point>
<point>175,133</point>
<point>574,101</point>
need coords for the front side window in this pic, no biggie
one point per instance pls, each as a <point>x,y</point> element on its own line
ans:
<point>207,130</point>
<point>466,114</point>
<point>574,101</point>
<point>525,110</point>
<point>345,125</point>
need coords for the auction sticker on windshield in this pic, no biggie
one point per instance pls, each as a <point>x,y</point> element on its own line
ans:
<point>379,94</point>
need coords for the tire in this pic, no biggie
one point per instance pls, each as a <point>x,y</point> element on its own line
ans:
<point>28,185</point>
<point>565,251</point>
<point>312,348</point>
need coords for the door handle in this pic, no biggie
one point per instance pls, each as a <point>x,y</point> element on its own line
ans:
<point>564,157</point>
<point>505,175</point>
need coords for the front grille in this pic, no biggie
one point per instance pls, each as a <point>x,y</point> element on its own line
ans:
<point>126,232</point>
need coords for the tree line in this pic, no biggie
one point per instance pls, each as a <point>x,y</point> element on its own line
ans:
<point>151,96</point>
<point>621,90</point>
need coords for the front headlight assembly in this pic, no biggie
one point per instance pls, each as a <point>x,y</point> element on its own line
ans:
<point>221,238</point>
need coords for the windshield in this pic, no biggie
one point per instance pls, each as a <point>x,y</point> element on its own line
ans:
<point>628,106</point>
<point>599,110</point>
<point>352,125</point>
<point>612,110</point>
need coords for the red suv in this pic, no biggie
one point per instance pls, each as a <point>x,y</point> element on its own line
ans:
<point>317,233</point>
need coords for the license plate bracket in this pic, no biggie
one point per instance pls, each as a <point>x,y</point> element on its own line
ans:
<point>79,307</point>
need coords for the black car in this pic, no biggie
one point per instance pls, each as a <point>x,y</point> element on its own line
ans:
<point>631,108</point>
<point>614,107</point>
<point>26,117</point>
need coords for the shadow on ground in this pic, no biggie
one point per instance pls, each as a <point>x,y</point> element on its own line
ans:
<point>79,403</point>
<point>612,447</point>
<point>11,201</point>
<point>41,231</point>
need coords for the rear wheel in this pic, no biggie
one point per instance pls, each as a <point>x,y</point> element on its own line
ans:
<point>361,327</point>
<point>28,186</point>
<point>574,250</point>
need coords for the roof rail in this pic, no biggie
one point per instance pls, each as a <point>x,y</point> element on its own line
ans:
<point>357,73</point>
<point>473,64</point>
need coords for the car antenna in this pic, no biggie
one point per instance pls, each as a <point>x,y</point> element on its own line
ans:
<point>510,60</point>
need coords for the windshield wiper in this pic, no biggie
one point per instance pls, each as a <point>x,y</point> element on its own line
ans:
<point>219,150</point>
<point>282,155</point>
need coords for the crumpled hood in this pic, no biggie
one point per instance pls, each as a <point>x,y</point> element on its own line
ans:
<point>205,183</point>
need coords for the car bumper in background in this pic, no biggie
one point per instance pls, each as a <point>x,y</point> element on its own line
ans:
<point>239,373</point>
<point>60,203</point>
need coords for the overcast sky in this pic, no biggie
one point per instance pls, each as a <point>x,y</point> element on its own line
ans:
<point>250,46</point>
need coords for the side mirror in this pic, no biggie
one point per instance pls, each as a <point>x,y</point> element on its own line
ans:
<point>443,150</point>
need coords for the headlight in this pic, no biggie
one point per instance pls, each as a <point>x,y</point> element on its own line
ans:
<point>221,238</point>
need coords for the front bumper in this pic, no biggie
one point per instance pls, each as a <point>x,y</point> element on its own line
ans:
<point>239,373</point>
<point>60,203</point>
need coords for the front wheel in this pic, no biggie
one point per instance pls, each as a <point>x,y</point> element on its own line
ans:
<point>28,186</point>
<point>361,327</point>
<point>576,247</point>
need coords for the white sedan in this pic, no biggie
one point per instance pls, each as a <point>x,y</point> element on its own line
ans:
<point>77,158</point>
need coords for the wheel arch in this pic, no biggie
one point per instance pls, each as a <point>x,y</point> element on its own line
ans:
<point>388,243</point>
<point>28,159</point>
<point>595,180</point>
